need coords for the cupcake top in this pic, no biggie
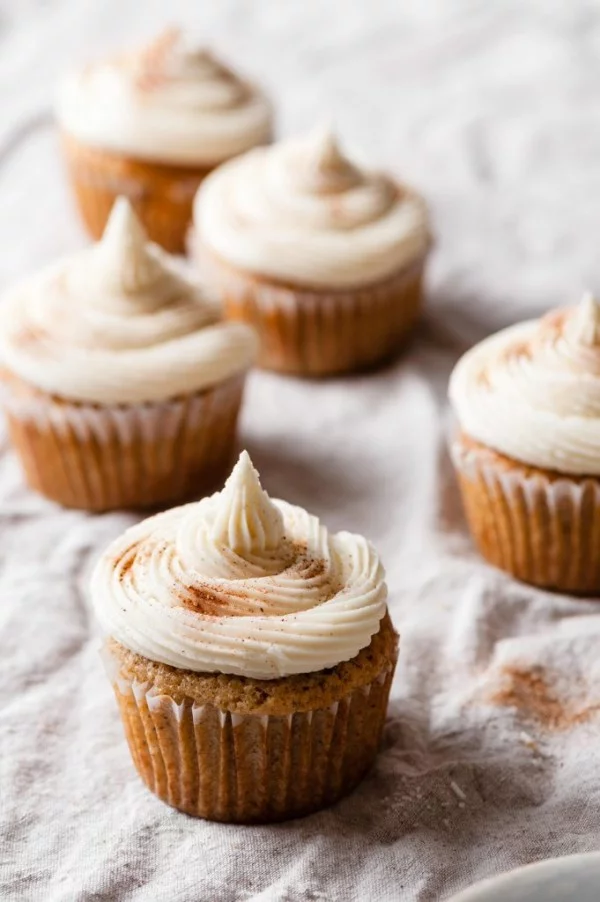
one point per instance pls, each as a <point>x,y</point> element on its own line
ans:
<point>118,323</point>
<point>302,212</point>
<point>168,102</point>
<point>532,391</point>
<point>240,584</point>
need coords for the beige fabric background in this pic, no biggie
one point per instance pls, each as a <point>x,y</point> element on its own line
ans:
<point>492,108</point>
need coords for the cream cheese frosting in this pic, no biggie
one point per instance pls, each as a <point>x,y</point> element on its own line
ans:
<point>532,391</point>
<point>118,323</point>
<point>242,584</point>
<point>302,212</point>
<point>169,102</point>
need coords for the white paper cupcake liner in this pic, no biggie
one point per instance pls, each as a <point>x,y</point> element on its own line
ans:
<point>249,768</point>
<point>107,457</point>
<point>318,333</point>
<point>543,529</point>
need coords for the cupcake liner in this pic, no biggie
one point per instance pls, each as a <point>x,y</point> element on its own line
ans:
<point>106,457</point>
<point>161,195</point>
<point>249,768</point>
<point>541,528</point>
<point>318,333</point>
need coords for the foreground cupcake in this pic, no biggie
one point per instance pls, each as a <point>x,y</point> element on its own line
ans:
<point>250,653</point>
<point>323,257</point>
<point>150,125</point>
<point>120,381</point>
<point>528,452</point>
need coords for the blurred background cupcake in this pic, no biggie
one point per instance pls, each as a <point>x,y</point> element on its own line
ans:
<point>150,125</point>
<point>120,381</point>
<point>528,451</point>
<point>250,651</point>
<point>323,257</point>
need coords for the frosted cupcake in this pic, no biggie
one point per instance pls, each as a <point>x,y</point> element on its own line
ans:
<point>250,653</point>
<point>120,381</point>
<point>528,452</point>
<point>323,257</point>
<point>150,125</point>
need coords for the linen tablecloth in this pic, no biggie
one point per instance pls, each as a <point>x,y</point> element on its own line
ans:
<point>491,753</point>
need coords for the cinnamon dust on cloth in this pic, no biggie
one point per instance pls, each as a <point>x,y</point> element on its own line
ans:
<point>491,755</point>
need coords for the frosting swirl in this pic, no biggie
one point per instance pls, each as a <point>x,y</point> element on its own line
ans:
<point>167,102</point>
<point>118,323</point>
<point>301,211</point>
<point>240,584</point>
<point>532,391</point>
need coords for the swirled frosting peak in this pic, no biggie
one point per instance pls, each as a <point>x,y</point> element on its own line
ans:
<point>532,391</point>
<point>584,325</point>
<point>239,583</point>
<point>248,522</point>
<point>124,262</point>
<point>119,323</point>
<point>169,101</point>
<point>322,166</point>
<point>302,211</point>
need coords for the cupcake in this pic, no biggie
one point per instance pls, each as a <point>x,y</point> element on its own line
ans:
<point>250,653</point>
<point>323,257</point>
<point>120,381</point>
<point>528,450</point>
<point>150,125</point>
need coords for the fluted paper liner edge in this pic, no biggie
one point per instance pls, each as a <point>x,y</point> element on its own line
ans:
<point>542,531</point>
<point>318,333</point>
<point>108,457</point>
<point>250,768</point>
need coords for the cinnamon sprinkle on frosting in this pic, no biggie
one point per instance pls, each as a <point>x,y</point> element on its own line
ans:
<point>240,583</point>
<point>302,211</point>
<point>151,70</point>
<point>584,323</point>
<point>171,101</point>
<point>532,391</point>
<point>120,322</point>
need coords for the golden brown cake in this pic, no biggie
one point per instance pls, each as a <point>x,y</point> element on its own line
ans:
<point>149,125</point>
<point>250,652</point>
<point>528,452</point>
<point>325,259</point>
<point>121,383</point>
<point>161,193</point>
